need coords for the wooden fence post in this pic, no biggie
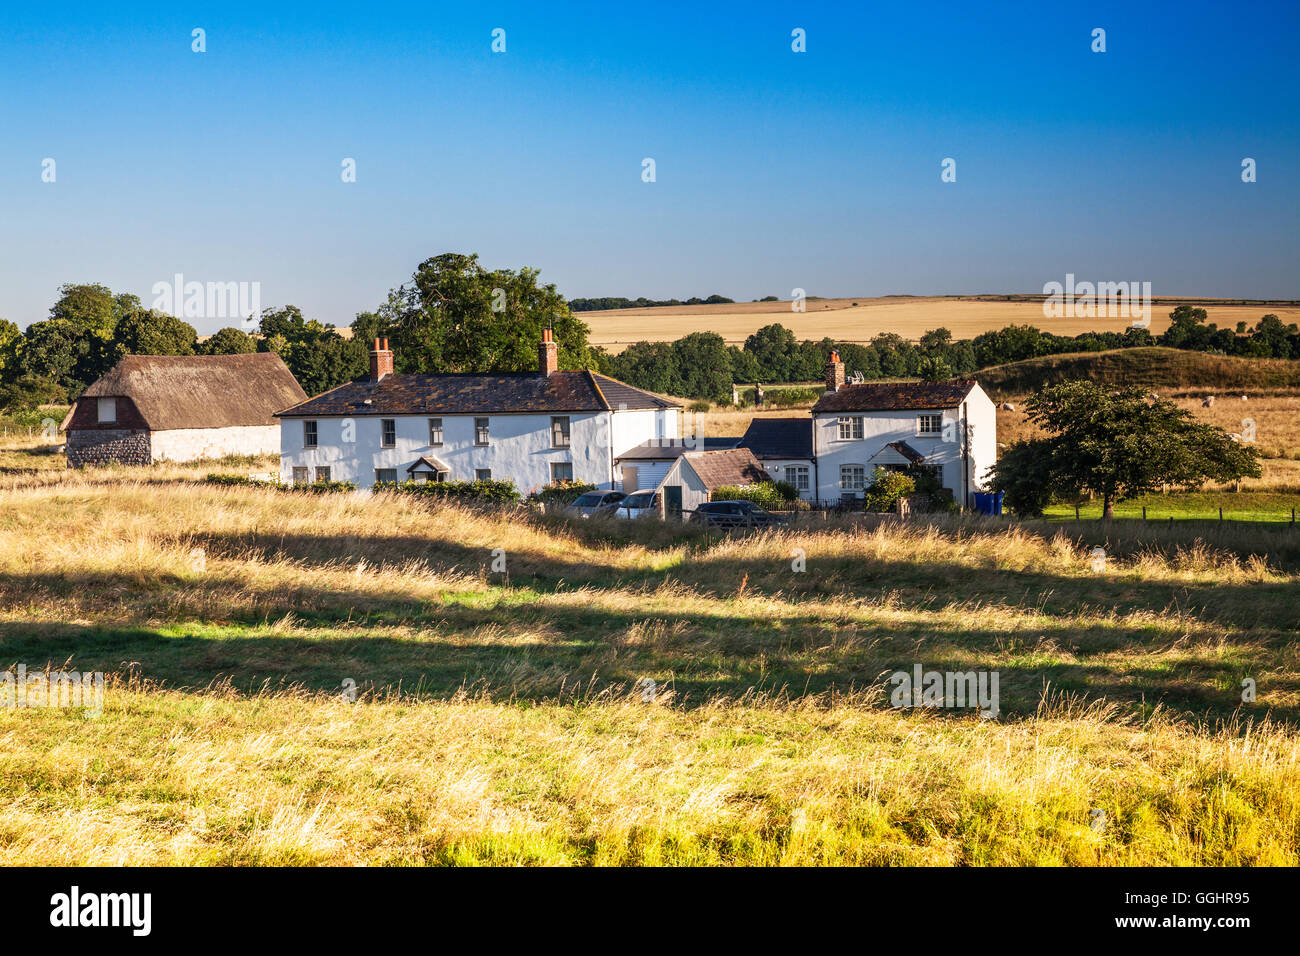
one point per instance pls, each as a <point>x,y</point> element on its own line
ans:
<point>1144,512</point>
<point>1220,512</point>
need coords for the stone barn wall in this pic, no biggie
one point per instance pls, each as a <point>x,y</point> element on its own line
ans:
<point>102,446</point>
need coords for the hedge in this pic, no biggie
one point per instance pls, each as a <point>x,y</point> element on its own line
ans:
<point>489,490</point>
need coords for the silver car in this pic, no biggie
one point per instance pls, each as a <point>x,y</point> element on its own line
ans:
<point>639,504</point>
<point>594,503</point>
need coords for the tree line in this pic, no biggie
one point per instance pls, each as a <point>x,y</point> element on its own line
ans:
<point>456,316</point>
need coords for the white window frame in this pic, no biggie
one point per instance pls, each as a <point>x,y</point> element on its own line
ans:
<point>301,475</point>
<point>435,432</point>
<point>108,405</point>
<point>850,428</point>
<point>799,476</point>
<point>854,483</point>
<point>383,433</point>
<point>561,436</point>
<point>310,433</point>
<point>935,417</point>
<point>482,432</point>
<point>379,471</point>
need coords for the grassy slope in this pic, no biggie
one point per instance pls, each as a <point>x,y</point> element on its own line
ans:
<point>1149,368</point>
<point>496,722</point>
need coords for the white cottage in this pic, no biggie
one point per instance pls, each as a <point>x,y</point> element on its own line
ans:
<point>949,428</point>
<point>532,428</point>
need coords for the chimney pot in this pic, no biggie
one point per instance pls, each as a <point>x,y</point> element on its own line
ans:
<point>548,354</point>
<point>834,372</point>
<point>381,360</point>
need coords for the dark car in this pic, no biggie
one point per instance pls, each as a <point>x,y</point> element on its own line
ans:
<point>735,514</point>
<point>594,503</point>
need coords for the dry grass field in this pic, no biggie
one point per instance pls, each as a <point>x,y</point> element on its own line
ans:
<point>501,717</point>
<point>858,320</point>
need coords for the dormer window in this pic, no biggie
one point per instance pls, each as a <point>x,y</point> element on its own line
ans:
<point>107,410</point>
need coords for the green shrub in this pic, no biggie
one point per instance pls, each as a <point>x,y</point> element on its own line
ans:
<point>886,488</point>
<point>700,406</point>
<point>564,492</point>
<point>489,490</point>
<point>765,494</point>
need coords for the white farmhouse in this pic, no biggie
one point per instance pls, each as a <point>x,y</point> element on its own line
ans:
<point>949,428</point>
<point>532,428</point>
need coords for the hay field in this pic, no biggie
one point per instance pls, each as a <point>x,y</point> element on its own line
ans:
<point>502,717</point>
<point>858,320</point>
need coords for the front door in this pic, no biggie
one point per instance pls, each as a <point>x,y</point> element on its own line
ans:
<point>673,500</point>
<point>629,479</point>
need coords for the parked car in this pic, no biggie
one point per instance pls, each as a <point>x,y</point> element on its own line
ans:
<point>735,514</point>
<point>639,504</point>
<point>594,503</point>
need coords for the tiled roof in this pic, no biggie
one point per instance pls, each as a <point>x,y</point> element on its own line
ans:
<point>429,462</point>
<point>903,449</point>
<point>891,396</point>
<point>667,449</point>
<point>197,391</point>
<point>477,394</point>
<point>732,466</point>
<point>779,438</point>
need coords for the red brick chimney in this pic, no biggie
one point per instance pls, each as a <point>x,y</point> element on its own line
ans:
<point>834,372</point>
<point>548,354</point>
<point>381,360</point>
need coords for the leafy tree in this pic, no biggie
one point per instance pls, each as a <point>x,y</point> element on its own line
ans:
<point>772,347</point>
<point>91,307</point>
<point>60,351</point>
<point>154,333</point>
<point>460,317</point>
<point>1118,445</point>
<point>11,338</point>
<point>932,369</point>
<point>230,341</point>
<point>28,392</point>
<point>1024,476</point>
<point>649,365</point>
<point>704,366</point>
<point>318,357</point>
<point>744,367</point>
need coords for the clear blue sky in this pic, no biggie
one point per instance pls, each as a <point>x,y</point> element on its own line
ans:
<point>775,169</point>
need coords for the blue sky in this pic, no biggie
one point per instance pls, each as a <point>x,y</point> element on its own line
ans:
<point>775,169</point>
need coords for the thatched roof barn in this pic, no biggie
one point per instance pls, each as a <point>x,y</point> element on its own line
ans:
<point>180,408</point>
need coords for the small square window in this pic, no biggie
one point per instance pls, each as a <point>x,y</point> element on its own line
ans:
<point>850,429</point>
<point>308,434</point>
<point>482,474</point>
<point>480,431</point>
<point>388,475</point>
<point>559,431</point>
<point>561,471</point>
<point>299,476</point>
<point>797,475</point>
<point>108,409</point>
<point>930,424</point>
<point>435,431</point>
<point>323,473</point>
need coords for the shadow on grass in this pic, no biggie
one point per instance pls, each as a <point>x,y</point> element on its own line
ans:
<point>526,653</point>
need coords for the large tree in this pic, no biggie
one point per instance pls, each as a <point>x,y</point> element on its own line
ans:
<point>1118,444</point>
<point>154,333</point>
<point>457,316</point>
<point>229,341</point>
<point>318,356</point>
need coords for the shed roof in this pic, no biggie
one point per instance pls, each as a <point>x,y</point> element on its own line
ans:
<point>731,466</point>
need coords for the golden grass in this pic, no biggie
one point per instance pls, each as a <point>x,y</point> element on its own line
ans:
<point>498,721</point>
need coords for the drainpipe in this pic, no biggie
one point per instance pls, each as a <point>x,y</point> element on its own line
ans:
<point>965,458</point>
<point>609,447</point>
